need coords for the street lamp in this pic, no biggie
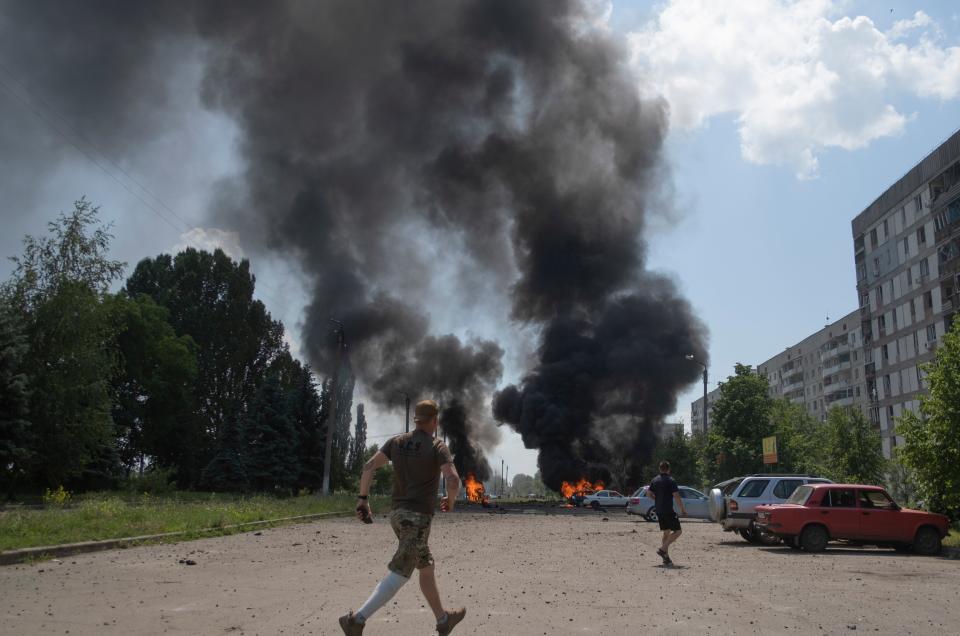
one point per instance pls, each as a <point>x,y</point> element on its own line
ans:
<point>693,358</point>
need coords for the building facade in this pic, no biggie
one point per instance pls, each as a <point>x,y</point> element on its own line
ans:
<point>907,258</point>
<point>823,370</point>
<point>696,412</point>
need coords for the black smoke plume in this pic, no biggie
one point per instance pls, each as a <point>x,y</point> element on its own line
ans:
<point>422,159</point>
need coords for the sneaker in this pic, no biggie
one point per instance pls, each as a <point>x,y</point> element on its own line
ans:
<point>350,625</point>
<point>453,617</point>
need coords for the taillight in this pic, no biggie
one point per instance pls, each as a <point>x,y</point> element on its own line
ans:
<point>635,500</point>
<point>734,505</point>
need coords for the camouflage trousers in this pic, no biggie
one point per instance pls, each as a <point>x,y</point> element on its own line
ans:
<point>413,531</point>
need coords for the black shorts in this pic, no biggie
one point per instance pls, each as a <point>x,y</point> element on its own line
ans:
<point>669,522</point>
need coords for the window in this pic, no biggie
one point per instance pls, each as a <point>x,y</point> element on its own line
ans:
<point>931,333</point>
<point>839,498</point>
<point>928,300</point>
<point>913,309</point>
<point>876,266</point>
<point>873,238</point>
<point>903,216</point>
<point>785,488</point>
<point>906,246</point>
<point>916,341</point>
<point>886,352</point>
<point>876,499</point>
<point>924,269</point>
<point>800,495</point>
<point>754,488</point>
<point>909,276</point>
<point>879,294</point>
<point>922,235</point>
<point>886,230</point>
<point>917,204</point>
<point>886,386</point>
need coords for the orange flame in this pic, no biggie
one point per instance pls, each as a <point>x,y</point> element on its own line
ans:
<point>474,488</point>
<point>568,489</point>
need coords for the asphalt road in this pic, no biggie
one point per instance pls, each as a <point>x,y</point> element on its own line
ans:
<point>517,574</point>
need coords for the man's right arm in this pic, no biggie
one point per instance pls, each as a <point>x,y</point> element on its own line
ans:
<point>650,493</point>
<point>453,486</point>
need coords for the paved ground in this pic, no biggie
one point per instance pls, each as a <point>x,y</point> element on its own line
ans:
<point>517,575</point>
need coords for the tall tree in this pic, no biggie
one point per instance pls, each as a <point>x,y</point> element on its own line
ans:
<point>270,441</point>
<point>56,291</point>
<point>154,391</point>
<point>304,411</point>
<point>210,298</point>
<point>678,449</point>
<point>801,439</point>
<point>340,476</point>
<point>228,468</point>
<point>359,446</point>
<point>14,403</point>
<point>931,448</point>
<point>854,452</point>
<point>741,419</point>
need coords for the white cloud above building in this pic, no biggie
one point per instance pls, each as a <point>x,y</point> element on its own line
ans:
<point>799,77</point>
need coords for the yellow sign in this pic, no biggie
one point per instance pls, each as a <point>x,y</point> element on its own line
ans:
<point>769,450</point>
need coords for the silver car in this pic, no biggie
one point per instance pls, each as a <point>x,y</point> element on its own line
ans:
<point>694,501</point>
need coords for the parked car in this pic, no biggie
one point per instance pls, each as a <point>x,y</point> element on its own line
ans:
<point>733,503</point>
<point>694,501</point>
<point>605,499</point>
<point>863,515</point>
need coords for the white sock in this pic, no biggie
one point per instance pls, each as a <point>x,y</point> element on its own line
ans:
<point>385,590</point>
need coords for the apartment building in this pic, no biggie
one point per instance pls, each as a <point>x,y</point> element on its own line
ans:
<point>696,412</point>
<point>907,258</point>
<point>823,370</point>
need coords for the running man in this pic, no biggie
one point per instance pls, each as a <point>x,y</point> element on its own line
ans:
<point>418,459</point>
<point>664,490</point>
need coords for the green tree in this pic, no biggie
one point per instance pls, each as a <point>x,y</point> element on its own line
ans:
<point>304,411</point>
<point>801,439</point>
<point>931,448</point>
<point>382,477</point>
<point>71,364</point>
<point>210,298</point>
<point>75,251</point>
<point>853,450</point>
<point>228,469</point>
<point>359,445</point>
<point>14,403</point>
<point>741,419</point>
<point>270,441</point>
<point>154,391</point>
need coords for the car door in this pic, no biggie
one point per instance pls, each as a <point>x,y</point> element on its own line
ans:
<point>618,498</point>
<point>881,519</point>
<point>839,512</point>
<point>695,503</point>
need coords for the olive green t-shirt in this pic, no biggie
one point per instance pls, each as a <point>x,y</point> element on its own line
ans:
<point>417,458</point>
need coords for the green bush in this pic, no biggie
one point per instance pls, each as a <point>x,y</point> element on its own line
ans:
<point>156,481</point>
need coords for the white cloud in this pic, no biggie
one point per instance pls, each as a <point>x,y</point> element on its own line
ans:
<point>798,77</point>
<point>209,239</point>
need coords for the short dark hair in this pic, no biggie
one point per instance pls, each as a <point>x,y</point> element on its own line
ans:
<point>664,467</point>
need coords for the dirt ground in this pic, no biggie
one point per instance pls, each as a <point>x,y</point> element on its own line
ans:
<point>517,574</point>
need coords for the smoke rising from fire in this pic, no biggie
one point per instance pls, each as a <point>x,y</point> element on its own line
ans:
<point>418,157</point>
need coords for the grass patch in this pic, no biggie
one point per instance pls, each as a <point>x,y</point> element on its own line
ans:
<point>113,516</point>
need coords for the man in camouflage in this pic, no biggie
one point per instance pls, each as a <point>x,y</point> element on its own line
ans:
<point>418,460</point>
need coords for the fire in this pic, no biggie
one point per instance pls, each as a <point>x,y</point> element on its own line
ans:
<point>474,488</point>
<point>568,489</point>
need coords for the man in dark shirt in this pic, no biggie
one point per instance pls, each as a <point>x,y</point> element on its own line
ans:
<point>418,459</point>
<point>664,490</point>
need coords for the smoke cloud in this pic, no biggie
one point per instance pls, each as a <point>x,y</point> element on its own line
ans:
<point>417,157</point>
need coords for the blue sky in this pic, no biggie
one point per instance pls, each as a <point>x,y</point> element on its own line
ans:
<point>778,139</point>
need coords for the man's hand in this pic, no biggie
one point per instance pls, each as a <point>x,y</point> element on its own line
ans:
<point>683,511</point>
<point>446,504</point>
<point>364,513</point>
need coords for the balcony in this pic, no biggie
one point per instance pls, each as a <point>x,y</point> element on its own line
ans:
<point>836,368</point>
<point>793,386</point>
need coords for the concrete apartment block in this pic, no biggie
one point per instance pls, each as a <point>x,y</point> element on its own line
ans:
<point>906,248</point>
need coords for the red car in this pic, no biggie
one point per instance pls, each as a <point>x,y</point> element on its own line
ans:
<point>865,515</point>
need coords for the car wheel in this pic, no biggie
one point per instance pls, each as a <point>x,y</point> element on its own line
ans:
<point>793,542</point>
<point>748,535</point>
<point>927,542</point>
<point>814,538</point>
<point>764,538</point>
<point>652,514</point>
<point>595,505</point>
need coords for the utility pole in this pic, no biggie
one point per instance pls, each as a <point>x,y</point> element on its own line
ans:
<point>406,401</point>
<point>501,477</point>
<point>332,418</point>
<point>507,479</point>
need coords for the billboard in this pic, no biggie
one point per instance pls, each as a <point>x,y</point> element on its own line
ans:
<point>769,450</point>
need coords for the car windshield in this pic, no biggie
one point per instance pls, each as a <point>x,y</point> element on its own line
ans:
<point>800,495</point>
<point>754,488</point>
<point>729,488</point>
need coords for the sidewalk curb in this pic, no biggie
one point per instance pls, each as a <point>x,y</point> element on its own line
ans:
<point>11,557</point>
